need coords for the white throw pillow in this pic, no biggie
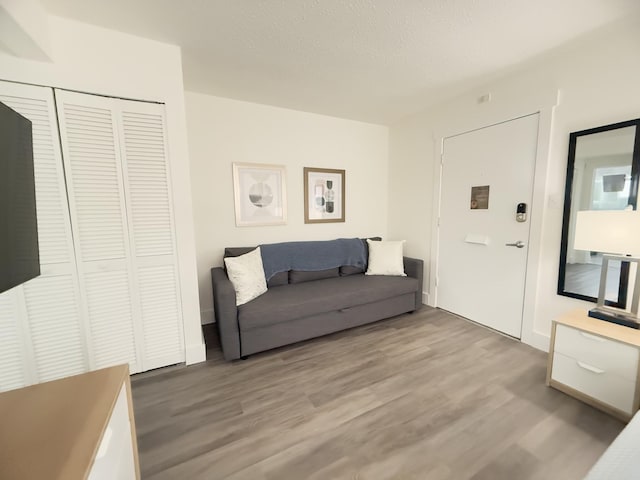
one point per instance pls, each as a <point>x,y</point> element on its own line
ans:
<point>247,275</point>
<point>385,258</point>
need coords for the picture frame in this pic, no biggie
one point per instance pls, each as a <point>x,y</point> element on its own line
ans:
<point>324,195</point>
<point>260,194</point>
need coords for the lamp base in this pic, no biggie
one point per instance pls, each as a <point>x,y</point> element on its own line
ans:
<point>622,318</point>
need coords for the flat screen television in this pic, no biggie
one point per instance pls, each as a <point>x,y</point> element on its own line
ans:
<point>19,254</point>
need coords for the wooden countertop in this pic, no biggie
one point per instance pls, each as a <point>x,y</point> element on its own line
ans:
<point>580,319</point>
<point>53,430</point>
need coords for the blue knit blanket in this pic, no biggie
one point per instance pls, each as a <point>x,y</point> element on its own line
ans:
<point>312,256</point>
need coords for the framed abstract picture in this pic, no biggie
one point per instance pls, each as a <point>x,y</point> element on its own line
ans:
<point>260,194</point>
<point>324,195</point>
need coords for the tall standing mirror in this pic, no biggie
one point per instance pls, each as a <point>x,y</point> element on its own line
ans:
<point>602,174</point>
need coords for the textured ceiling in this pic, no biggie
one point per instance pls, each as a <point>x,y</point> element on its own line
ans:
<point>370,60</point>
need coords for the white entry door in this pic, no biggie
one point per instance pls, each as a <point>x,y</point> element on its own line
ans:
<point>482,255</point>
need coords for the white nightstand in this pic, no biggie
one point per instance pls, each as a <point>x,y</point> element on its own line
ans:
<point>79,427</point>
<point>596,362</point>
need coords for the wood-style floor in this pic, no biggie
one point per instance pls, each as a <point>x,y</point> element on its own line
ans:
<point>422,396</point>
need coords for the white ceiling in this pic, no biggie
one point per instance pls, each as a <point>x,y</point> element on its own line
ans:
<point>370,60</point>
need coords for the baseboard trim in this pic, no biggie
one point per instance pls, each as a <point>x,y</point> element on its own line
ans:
<point>537,340</point>
<point>425,298</point>
<point>195,353</point>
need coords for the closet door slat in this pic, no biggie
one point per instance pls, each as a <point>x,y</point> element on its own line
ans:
<point>96,180</point>
<point>12,356</point>
<point>148,186</point>
<point>111,317</point>
<point>54,325</point>
<point>161,318</point>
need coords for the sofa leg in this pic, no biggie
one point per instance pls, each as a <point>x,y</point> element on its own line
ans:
<point>244,357</point>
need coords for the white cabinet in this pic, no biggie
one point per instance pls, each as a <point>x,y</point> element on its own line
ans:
<point>84,421</point>
<point>596,362</point>
<point>109,292</point>
<point>115,456</point>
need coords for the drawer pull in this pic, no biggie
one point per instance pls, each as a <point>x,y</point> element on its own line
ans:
<point>595,338</point>
<point>590,368</point>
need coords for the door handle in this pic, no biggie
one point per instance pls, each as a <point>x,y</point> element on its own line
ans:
<point>518,244</point>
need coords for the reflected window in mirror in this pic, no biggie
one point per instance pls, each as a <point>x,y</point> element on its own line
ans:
<point>602,174</point>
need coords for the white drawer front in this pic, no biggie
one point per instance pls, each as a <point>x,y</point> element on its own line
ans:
<point>594,381</point>
<point>116,450</point>
<point>609,355</point>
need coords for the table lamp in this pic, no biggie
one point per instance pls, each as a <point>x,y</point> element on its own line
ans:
<point>610,232</point>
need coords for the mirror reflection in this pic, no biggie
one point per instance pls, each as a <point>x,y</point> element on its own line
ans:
<point>601,175</point>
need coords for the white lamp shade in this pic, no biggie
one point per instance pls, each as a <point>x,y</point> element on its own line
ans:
<point>608,231</point>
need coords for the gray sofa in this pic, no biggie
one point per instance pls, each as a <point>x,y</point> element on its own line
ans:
<point>302,305</point>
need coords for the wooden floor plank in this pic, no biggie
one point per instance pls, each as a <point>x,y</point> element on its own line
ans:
<point>425,395</point>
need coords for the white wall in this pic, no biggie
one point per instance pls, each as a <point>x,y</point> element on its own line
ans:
<point>223,131</point>
<point>598,83</point>
<point>24,29</point>
<point>97,60</point>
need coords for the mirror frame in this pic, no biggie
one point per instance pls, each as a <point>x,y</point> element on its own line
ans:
<point>566,218</point>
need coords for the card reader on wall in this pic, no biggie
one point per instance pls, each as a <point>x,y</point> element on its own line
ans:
<point>477,238</point>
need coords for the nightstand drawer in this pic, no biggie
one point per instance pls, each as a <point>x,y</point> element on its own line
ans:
<point>594,381</point>
<point>609,355</point>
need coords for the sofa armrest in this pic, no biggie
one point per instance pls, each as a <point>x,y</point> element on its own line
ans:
<point>414,268</point>
<point>226,313</point>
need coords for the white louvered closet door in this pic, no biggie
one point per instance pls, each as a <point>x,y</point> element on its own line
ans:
<point>41,333</point>
<point>119,192</point>
<point>149,204</point>
<point>91,153</point>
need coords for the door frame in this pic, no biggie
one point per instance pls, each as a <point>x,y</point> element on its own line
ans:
<point>544,107</point>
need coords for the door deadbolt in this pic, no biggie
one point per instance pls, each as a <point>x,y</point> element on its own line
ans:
<point>521,213</point>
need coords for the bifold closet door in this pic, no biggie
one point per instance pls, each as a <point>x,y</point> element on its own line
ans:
<point>42,336</point>
<point>109,290</point>
<point>91,153</point>
<point>119,197</point>
<point>151,230</point>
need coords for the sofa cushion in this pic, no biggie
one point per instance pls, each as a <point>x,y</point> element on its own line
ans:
<point>297,276</point>
<point>385,258</point>
<point>237,251</point>
<point>280,278</point>
<point>366,245</point>
<point>290,302</point>
<point>347,270</point>
<point>247,276</point>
